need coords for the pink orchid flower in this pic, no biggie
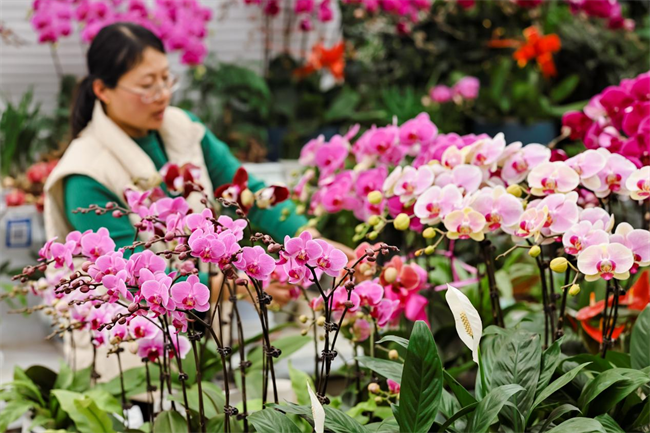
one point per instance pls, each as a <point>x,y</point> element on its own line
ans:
<point>420,130</point>
<point>206,246</point>
<point>370,293</point>
<point>452,157</point>
<point>393,387</point>
<point>168,206</point>
<point>413,182</point>
<point>141,327</point>
<point>136,199</point>
<point>468,177</point>
<point>384,311</point>
<point>75,236</point>
<point>638,184</point>
<point>331,261</point>
<point>637,240</point>
<point>200,220</point>
<point>563,212</point>
<point>179,321</point>
<point>581,236</point>
<point>331,155</point>
<point>530,223</point>
<point>62,254</point>
<point>467,88</point>
<point>517,161</point>
<point>441,94</point>
<point>236,227</point>
<point>94,245</point>
<point>606,261</point>
<point>155,290</point>
<point>552,177</point>
<point>255,262</point>
<point>498,207</point>
<point>486,152</point>
<point>144,260</point>
<point>360,330</point>
<point>435,203</point>
<point>301,249</point>
<point>191,294</point>
<point>598,217</point>
<point>587,163</point>
<point>109,264</point>
<point>370,180</point>
<point>613,177</point>
<point>465,224</point>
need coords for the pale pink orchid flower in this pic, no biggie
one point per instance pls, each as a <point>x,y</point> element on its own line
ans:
<point>612,178</point>
<point>465,224</point>
<point>413,182</point>
<point>599,218</point>
<point>606,261</point>
<point>552,177</point>
<point>563,212</point>
<point>637,240</point>
<point>486,152</point>
<point>638,184</point>
<point>452,157</point>
<point>517,161</point>
<point>435,203</point>
<point>390,182</point>
<point>468,177</point>
<point>587,163</point>
<point>498,207</point>
<point>581,236</point>
<point>530,223</point>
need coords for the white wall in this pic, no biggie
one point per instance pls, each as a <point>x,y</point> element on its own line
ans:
<point>235,36</point>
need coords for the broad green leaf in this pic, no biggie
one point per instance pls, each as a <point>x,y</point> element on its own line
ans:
<point>213,399</point>
<point>104,400</point>
<point>395,339</point>
<point>335,420</point>
<point>389,369</point>
<point>216,424</point>
<point>299,381</point>
<point>518,363</point>
<point>564,88</point>
<point>41,421</point>
<point>488,408</point>
<point>448,404</point>
<point>557,413</point>
<point>551,358</point>
<point>610,387</point>
<point>579,425</point>
<point>169,421</point>
<point>557,384</point>
<point>95,419</point>
<point>640,341</point>
<point>64,378</point>
<point>609,424</point>
<point>28,389</point>
<point>42,377</point>
<point>421,382</point>
<point>461,413</point>
<point>389,425</point>
<point>644,416</point>
<point>619,359</point>
<point>463,396</point>
<point>134,380</point>
<point>271,421</point>
<point>288,345</point>
<point>12,411</point>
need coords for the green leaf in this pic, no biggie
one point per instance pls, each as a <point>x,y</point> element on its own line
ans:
<point>169,421</point>
<point>27,389</point>
<point>610,387</point>
<point>271,421</point>
<point>640,341</point>
<point>340,422</point>
<point>216,424</point>
<point>644,416</point>
<point>299,381</point>
<point>461,413</point>
<point>104,400</point>
<point>83,411</point>
<point>557,384</point>
<point>343,105</point>
<point>213,399</point>
<point>609,424</point>
<point>389,369</point>
<point>288,345</point>
<point>557,413</point>
<point>395,339</point>
<point>565,88</point>
<point>64,378</point>
<point>463,396</point>
<point>579,425</point>
<point>421,382</point>
<point>551,358</point>
<point>389,425</point>
<point>518,363</point>
<point>12,411</point>
<point>490,406</point>
<point>619,359</point>
<point>42,377</point>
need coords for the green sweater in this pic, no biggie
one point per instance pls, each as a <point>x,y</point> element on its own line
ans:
<point>82,191</point>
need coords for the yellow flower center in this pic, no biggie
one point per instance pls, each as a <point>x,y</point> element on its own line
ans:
<point>465,320</point>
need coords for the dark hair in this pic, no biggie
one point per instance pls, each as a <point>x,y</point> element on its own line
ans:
<point>115,50</point>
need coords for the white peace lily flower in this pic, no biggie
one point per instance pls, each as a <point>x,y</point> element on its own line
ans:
<point>317,411</point>
<point>468,321</point>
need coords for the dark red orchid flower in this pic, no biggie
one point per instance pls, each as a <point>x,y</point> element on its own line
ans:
<point>178,179</point>
<point>238,191</point>
<point>635,299</point>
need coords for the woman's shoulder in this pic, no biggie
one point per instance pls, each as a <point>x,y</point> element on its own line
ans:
<point>84,156</point>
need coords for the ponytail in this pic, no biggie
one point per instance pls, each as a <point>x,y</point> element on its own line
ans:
<point>84,103</point>
<point>115,50</point>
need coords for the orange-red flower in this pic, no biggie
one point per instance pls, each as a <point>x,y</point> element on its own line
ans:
<point>536,47</point>
<point>324,58</point>
<point>635,299</point>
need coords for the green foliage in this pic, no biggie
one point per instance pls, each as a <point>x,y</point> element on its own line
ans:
<point>272,421</point>
<point>640,342</point>
<point>169,421</point>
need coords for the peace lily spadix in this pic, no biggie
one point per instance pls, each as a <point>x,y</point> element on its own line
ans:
<point>317,411</point>
<point>468,321</point>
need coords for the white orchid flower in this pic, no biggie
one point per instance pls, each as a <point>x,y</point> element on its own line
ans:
<point>468,321</point>
<point>317,411</point>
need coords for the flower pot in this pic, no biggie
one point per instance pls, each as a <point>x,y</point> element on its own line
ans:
<point>542,132</point>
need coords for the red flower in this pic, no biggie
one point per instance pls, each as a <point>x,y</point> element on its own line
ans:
<point>323,58</point>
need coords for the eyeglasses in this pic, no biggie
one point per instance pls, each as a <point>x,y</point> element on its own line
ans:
<point>154,93</point>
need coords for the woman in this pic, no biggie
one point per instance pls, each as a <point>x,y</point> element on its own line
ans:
<point>124,131</point>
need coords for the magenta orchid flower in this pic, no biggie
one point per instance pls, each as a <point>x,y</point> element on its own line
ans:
<point>109,264</point>
<point>517,161</point>
<point>255,262</point>
<point>141,327</point>
<point>606,261</point>
<point>465,224</point>
<point>498,207</point>
<point>236,227</point>
<point>151,348</point>
<point>369,292</point>
<point>155,290</point>
<point>637,240</point>
<point>144,260</point>
<point>331,261</point>
<point>581,236</point>
<point>420,130</point>
<point>552,177</point>
<point>301,249</point>
<point>94,245</point>
<point>191,294</point>
<point>393,387</point>
<point>206,246</point>
<point>638,184</point>
<point>441,94</point>
<point>200,220</point>
<point>435,203</point>
<point>385,310</point>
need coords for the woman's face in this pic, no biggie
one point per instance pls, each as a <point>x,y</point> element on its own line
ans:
<point>124,104</point>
